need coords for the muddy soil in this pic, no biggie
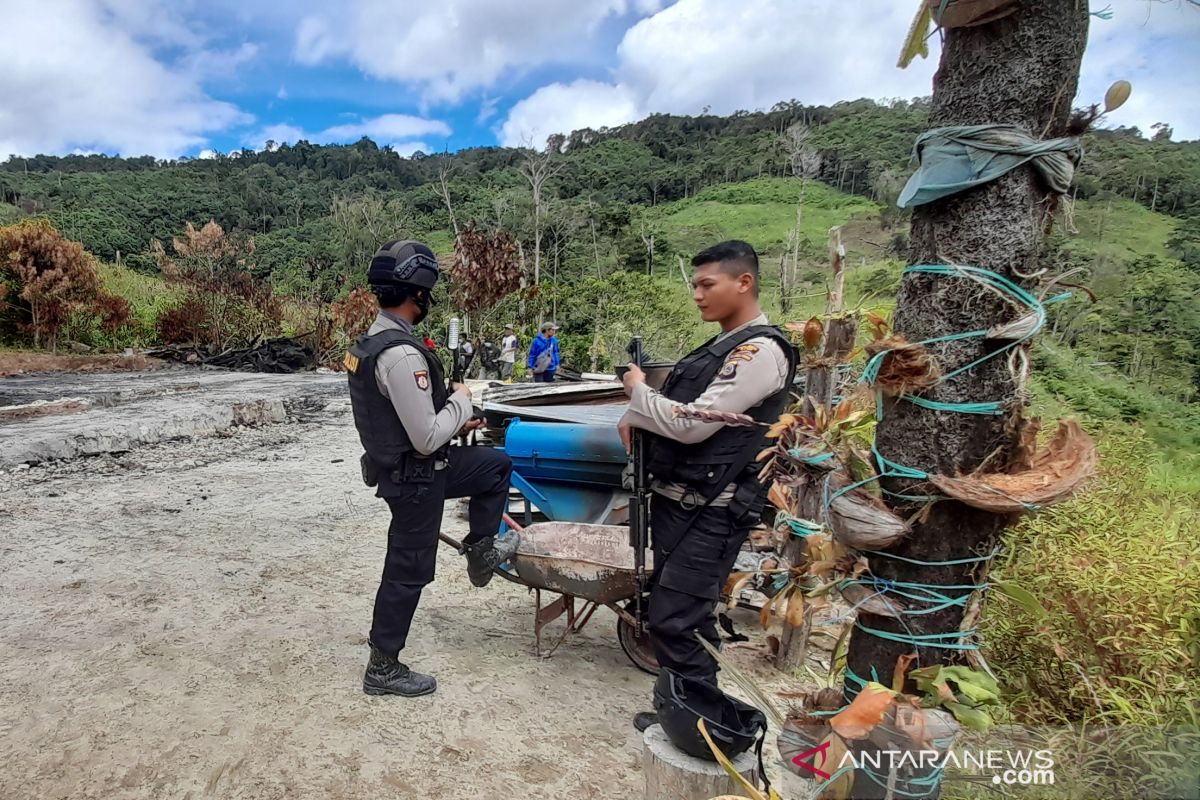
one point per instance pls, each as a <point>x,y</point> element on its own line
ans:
<point>16,362</point>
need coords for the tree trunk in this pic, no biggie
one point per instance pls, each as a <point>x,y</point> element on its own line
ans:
<point>596,249</point>
<point>1021,70</point>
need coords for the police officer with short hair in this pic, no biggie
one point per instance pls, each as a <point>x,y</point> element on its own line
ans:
<point>707,495</point>
<point>406,417</point>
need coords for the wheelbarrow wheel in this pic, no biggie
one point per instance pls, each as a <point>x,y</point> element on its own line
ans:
<point>637,648</point>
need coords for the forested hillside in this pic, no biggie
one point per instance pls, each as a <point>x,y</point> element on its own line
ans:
<point>637,200</point>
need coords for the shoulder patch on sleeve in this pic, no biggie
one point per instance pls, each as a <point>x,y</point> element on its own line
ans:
<point>746,348</point>
<point>422,379</point>
<point>728,370</point>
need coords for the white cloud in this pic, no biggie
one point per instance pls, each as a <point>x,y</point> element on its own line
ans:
<point>561,108</point>
<point>724,56</point>
<point>387,126</point>
<point>396,129</point>
<point>81,78</point>
<point>406,149</point>
<point>698,54</point>
<point>447,48</point>
<point>487,110</point>
<point>282,93</point>
<point>279,134</point>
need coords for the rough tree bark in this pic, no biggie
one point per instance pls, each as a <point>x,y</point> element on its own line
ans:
<point>1021,70</point>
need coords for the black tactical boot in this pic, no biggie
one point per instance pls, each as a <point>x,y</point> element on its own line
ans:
<point>644,719</point>
<point>386,675</point>
<point>487,554</point>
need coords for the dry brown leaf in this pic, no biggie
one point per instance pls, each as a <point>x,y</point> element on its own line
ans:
<point>778,495</point>
<point>795,610</point>
<point>764,616</point>
<point>813,331</point>
<point>864,713</point>
<point>900,673</point>
<point>782,424</point>
<point>835,754</point>
<point>734,586</point>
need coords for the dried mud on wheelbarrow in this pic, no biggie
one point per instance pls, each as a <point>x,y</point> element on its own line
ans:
<point>582,562</point>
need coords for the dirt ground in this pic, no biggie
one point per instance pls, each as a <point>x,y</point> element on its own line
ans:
<point>16,362</point>
<point>189,620</point>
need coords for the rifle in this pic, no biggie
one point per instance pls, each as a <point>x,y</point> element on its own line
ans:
<point>639,501</point>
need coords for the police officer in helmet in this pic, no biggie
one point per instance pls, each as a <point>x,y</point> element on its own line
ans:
<point>406,417</point>
<point>706,493</point>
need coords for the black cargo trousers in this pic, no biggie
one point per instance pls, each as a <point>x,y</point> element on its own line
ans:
<point>694,551</point>
<point>481,473</point>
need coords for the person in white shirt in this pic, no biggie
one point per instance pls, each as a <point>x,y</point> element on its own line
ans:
<point>508,353</point>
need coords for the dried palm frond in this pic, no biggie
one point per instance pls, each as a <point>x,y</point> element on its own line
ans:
<point>907,367</point>
<point>1051,476</point>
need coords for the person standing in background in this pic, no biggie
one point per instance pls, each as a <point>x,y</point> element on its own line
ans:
<point>508,354</point>
<point>543,354</point>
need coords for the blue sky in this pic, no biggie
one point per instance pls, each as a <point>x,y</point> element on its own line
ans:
<point>187,77</point>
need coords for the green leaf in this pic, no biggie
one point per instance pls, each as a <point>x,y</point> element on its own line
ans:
<point>1021,596</point>
<point>979,687</point>
<point>972,718</point>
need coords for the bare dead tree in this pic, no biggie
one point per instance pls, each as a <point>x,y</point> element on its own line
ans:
<point>538,168</point>
<point>805,163</point>
<point>444,170</point>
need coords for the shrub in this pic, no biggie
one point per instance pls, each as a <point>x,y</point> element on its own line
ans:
<point>1117,571</point>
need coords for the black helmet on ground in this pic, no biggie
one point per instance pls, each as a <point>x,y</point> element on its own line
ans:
<point>403,269</point>
<point>680,701</point>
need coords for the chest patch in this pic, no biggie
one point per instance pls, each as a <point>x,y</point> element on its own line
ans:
<point>422,379</point>
<point>350,362</point>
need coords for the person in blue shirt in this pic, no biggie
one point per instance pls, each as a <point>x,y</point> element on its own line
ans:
<point>543,354</point>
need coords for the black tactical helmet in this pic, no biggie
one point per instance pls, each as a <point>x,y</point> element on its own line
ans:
<point>403,263</point>
<point>680,701</point>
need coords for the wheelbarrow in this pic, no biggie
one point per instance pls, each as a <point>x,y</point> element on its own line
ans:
<point>587,566</point>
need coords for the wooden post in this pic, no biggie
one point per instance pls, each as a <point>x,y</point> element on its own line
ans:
<point>820,384</point>
<point>674,775</point>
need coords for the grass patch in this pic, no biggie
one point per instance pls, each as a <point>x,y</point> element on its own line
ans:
<point>1114,231</point>
<point>760,211</point>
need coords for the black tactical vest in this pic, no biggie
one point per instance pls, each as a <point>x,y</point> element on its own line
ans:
<point>383,437</point>
<point>704,465</point>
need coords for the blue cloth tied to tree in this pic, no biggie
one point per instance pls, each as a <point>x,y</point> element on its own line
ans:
<point>961,157</point>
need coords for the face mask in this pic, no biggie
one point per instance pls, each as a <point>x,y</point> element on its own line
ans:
<point>422,301</point>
